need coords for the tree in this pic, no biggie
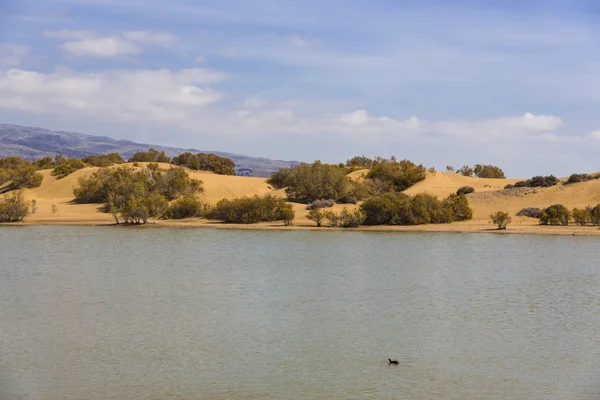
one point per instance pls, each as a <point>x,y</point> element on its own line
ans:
<point>400,175</point>
<point>582,216</point>
<point>44,163</point>
<point>449,168</point>
<point>488,171</point>
<point>33,206</point>
<point>152,155</point>
<point>25,177</point>
<point>104,160</point>
<point>309,182</point>
<point>556,214</point>
<point>14,207</point>
<point>67,167</point>
<point>501,219</point>
<point>360,162</point>
<point>185,207</point>
<point>317,215</point>
<point>465,170</point>
<point>206,162</point>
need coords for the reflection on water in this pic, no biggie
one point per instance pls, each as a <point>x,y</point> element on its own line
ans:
<point>108,313</point>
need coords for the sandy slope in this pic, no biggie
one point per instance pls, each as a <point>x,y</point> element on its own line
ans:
<point>489,196</point>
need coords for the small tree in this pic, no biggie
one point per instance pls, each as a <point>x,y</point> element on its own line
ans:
<point>317,215</point>
<point>465,170</point>
<point>449,168</point>
<point>13,207</point>
<point>582,216</point>
<point>501,219</point>
<point>33,206</point>
<point>556,214</point>
<point>287,214</point>
<point>53,208</point>
<point>332,218</point>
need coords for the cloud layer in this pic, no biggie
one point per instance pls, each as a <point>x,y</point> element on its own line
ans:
<point>86,43</point>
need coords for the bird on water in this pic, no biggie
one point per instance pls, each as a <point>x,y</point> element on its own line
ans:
<point>392,361</point>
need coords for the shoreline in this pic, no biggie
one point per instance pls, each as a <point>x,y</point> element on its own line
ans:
<point>457,227</point>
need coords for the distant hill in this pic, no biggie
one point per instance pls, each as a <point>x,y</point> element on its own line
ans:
<point>32,143</point>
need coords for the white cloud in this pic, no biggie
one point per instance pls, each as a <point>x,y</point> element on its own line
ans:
<point>69,34</point>
<point>594,135</point>
<point>138,96</point>
<point>105,47</point>
<point>12,54</point>
<point>90,44</point>
<point>144,37</point>
<point>181,99</point>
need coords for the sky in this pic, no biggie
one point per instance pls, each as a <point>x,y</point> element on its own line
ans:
<point>515,83</point>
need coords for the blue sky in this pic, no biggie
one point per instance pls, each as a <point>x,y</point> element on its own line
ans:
<point>515,82</point>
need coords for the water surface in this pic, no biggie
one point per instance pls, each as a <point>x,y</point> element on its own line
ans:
<point>116,313</point>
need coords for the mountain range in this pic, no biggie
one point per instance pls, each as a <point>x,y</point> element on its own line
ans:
<point>32,143</point>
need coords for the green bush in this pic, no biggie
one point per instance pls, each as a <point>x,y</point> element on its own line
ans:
<point>25,177</point>
<point>501,219</point>
<point>582,216</point>
<point>556,214</point>
<point>538,181</point>
<point>206,162</point>
<point>360,162</point>
<point>347,199</point>
<point>465,190</point>
<point>44,163</point>
<point>135,194</point>
<point>306,183</point>
<point>399,209</point>
<point>67,167</point>
<point>317,215</point>
<point>185,207</point>
<point>488,171</point>
<point>398,175</point>
<point>250,210</point>
<point>465,170</point>
<point>595,215</point>
<point>104,160</point>
<point>509,186</point>
<point>152,155</point>
<point>13,207</point>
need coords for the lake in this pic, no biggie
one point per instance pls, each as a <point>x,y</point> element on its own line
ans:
<point>117,313</point>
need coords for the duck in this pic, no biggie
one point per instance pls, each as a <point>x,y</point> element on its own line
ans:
<point>392,361</point>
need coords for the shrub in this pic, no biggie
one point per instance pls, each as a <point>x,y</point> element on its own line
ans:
<point>399,175</point>
<point>53,208</point>
<point>347,199</point>
<point>399,209</point>
<point>595,215</point>
<point>250,210</point>
<point>465,170</point>
<point>332,218</point>
<point>152,155</point>
<point>104,160</point>
<point>556,214</point>
<point>308,182</point>
<point>538,181</point>
<point>465,190</point>
<point>322,203</point>
<point>68,167</point>
<point>206,162</point>
<point>530,212</point>
<point>501,219</point>
<point>488,171</point>
<point>185,207</point>
<point>509,186</point>
<point>44,163</point>
<point>360,162</point>
<point>350,219</point>
<point>582,216</point>
<point>25,177</point>
<point>135,194</point>
<point>576,178</point>
<point>317,215</point>
<point>13,207</point>
<point>459,208</point>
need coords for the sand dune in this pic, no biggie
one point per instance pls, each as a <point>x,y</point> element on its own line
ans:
<point>489,197</point>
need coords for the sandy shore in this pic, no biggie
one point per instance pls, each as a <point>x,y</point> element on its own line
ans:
<point>55,207</point>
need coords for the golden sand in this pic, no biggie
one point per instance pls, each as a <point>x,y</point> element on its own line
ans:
<point>488,197</point>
